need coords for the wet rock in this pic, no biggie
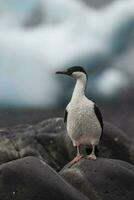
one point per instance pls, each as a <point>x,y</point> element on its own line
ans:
<point>32,179</point>
<point>116,144</point>
<point>21,142</point>
<point>102,179</point>
<point>49,141</point>
<point>46,140</point>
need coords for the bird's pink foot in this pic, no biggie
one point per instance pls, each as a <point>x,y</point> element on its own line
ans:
<point>92,156</point>
<point>76,159</point>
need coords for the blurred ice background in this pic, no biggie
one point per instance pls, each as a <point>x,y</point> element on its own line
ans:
<point>37,37</point>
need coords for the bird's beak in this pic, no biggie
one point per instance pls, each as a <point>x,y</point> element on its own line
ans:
<point>62,72</point>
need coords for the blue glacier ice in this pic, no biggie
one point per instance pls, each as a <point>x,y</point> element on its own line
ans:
<point>67,32</point>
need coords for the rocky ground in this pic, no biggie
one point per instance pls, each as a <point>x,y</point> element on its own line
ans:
<point>35,164</point>
<point>118,111</point>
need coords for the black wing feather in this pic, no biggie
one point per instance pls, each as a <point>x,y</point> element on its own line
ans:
<point>65,116</point>
<point>99,116</point>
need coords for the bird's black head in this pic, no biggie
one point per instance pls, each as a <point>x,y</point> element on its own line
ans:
<point>74,71</point>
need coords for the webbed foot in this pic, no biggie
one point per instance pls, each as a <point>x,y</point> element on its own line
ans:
<point>92,156</point>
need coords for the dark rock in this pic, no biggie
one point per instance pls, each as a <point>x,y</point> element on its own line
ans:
<point>49,141</point>
<point>115,144</point>
<point>45,140</point>
<point>32,179</point>
<point>21,142</point>
<point>53,136</point>
<point>105,179</point>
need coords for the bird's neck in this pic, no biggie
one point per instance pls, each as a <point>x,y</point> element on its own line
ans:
<point>79,90</point>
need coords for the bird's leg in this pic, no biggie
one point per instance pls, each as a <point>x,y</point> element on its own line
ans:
<point>92,155</point>
<point>78,156</point>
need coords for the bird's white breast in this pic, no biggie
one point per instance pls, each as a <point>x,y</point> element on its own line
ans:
<point>82,123</point>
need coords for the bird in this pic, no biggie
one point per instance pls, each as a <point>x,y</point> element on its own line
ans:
<point>82,116</point>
